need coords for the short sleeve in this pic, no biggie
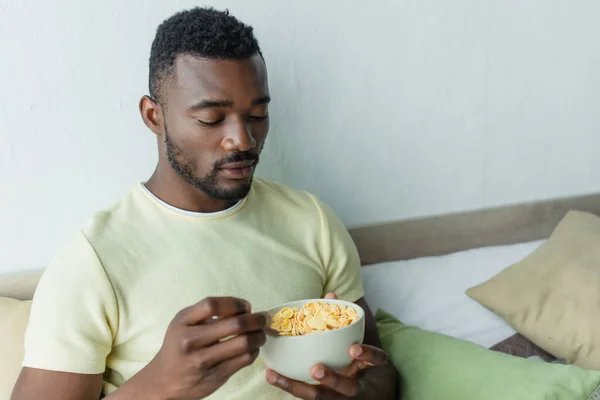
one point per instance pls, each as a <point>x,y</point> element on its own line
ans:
<point>73,314</point>
<point>340,257</point>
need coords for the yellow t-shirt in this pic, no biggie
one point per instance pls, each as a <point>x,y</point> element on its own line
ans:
<point>103,305</point>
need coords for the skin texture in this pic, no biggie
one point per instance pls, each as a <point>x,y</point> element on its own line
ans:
<point>240,127</point>
<point>215,113</point>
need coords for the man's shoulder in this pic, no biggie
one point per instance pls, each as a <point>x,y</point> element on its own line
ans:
<point>283,194</point>
<point>306,206</point>
<point>123,213</point>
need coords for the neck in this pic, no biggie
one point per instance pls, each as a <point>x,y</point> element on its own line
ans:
<point>176,191</point>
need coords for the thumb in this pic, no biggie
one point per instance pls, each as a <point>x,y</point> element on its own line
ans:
<point>331,295</point>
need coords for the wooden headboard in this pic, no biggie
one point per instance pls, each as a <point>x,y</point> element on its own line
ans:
<point>444,234</point>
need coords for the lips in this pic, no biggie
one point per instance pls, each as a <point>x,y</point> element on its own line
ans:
<point>237,165</point>
<point>238,170</point>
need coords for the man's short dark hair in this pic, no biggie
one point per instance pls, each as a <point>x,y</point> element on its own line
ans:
<point>200,32</point>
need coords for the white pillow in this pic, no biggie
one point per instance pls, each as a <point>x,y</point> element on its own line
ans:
<point>430,292</point>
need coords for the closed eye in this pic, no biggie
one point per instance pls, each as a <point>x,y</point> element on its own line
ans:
<point>258,117</point>
<point>209,123</point>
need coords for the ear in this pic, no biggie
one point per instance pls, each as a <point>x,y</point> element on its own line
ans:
<point>152,115</point>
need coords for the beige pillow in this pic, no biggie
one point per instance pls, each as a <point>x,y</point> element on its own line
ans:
<point>552,297</point>
<point>20,285</point>
<point>14,315</point>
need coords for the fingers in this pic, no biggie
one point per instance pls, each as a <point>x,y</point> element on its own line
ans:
<point>331,295</point>
<point>233,326</point>
<point>302,390</point>
<point>268,330</point>
<point>202,335</point>
<point>222,372</point>
<point>368,354</point>
<point>336,382</point>
<point>365,357</point>
<point>230,349</point>
<point>221,307</point>
<point>271,332</point>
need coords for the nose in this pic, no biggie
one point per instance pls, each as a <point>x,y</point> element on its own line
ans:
<point>238,137</point>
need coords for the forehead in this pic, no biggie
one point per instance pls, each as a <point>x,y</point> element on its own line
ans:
<point>198,79</point>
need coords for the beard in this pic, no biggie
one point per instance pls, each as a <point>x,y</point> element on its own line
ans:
<point>185,165</point>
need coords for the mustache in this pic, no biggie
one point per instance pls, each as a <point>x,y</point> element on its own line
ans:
<point>237,157</point>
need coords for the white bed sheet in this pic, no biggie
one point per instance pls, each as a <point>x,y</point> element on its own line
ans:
<point>430,292</point>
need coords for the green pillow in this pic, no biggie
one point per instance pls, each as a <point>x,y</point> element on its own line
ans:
<point>434,366</point>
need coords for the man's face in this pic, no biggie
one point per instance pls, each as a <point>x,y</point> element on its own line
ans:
<point>215,123</point>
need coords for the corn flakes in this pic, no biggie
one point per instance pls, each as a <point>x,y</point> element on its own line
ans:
<point>312,317</point>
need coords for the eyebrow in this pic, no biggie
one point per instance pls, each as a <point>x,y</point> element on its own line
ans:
<point>211,104</point>
<point>261,101</point>
<point>227,103</point>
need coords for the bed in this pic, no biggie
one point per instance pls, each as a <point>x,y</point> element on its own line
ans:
<point>418,270</point>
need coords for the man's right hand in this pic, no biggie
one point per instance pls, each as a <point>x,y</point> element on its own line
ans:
<point>194,360</point>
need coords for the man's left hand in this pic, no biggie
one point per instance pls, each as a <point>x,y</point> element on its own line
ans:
<point>345,384</point>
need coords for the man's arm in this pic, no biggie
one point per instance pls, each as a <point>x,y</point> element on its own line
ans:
<point>193,362</point>
<point>71,327</point>
<point>36,384</point>
<point>379,382</point>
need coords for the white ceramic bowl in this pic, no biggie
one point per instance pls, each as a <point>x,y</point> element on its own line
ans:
<point>294,356</point>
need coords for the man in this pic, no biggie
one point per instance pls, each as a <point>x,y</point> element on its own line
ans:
<point>138,303</point>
